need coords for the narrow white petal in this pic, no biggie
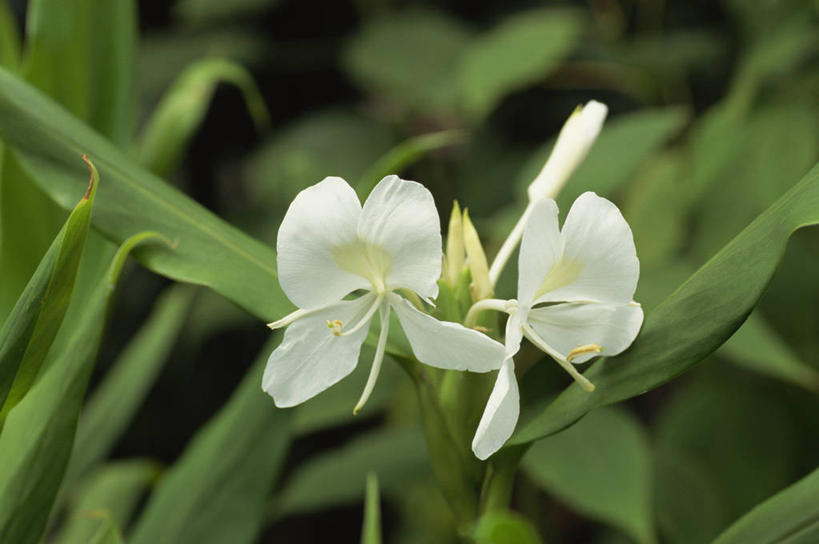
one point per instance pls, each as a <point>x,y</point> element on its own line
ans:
<point>599,254</point>
<point>501,414</point>
<point>566,326</point>
<point>311,358</point>
<point>444,344</point>
<point>321,219</point>
<point>540,250</point>
<point>400,217</point>
<point>573,144</point>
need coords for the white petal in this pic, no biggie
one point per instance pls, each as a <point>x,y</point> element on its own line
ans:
<point>566,326</point>
<point>321,219</point>
<point>501,414</point>
<point>444,344</point>
<point>311,358</point>
<point>573,144</point>
<point>540,250</point>
<point>400,217</point>
<point>599,254</point>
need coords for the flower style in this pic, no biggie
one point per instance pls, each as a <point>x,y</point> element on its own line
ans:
<point>330,246</point>
<point>575,290</point>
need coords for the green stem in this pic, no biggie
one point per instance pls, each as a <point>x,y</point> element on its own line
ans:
<point>500,478</point>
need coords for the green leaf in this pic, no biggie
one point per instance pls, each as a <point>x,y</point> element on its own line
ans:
<point>200,12</point>
<point>410,56</point>
<point>217,491</point>
<point>757,347</point>
<point>371,530</point>
<point>687,507</point>
<point>397,455</point>
<point>9,38</point>
<point>789,517</point>
<point>38,435</point>
<point>707,423</point>
<point>407,153</point>
<point>694,320</point>
<point>114,489</point>
<point>35,320</point>
<point>207,251</point>
<point>81,53</point>
<point>505,528</point>
<point>522,50</point>
<point>601,467</point>
<point>115,401</point>
<point>181,111</point>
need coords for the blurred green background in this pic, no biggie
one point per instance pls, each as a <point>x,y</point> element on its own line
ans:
<point>714,113</point>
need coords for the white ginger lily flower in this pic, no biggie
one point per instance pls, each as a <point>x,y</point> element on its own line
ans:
<point>575,290</point>
<point>330,246</point>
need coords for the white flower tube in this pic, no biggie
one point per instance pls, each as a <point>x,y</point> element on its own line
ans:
<point>573,144</point>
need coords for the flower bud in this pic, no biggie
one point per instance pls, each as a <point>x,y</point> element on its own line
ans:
<point>573,144</point>
<point>481,286</point>
<point>454,260</point>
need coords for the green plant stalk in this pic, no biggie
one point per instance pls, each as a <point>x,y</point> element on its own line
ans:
<point>500,478</point>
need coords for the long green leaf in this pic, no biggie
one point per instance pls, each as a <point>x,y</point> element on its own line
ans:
<point>9,38</point>
<point>36,318</point>
<point>207,251</point>
<point>114,402</point>
<point>789,517</point>
<point>81,53</point>
<point>114,489</point>
<point>217,491</point>
<point>183,108</point>
<point>694,320</point>
<point>38,436</point>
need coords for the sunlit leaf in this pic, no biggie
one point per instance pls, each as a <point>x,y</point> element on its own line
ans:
<point>38,435</point>
<point>694,320</point>
<point>207,251</point>
<point>217,491</point>
<point>33,323</point>
<point>602,468</point>
<point>181,111</point>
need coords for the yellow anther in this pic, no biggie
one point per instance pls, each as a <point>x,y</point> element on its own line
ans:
<point>481,329</point>
<point>584,349</point>
<point>335,326</point>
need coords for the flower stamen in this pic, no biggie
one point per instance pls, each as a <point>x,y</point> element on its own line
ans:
<point>533,337</point>
<point>584,349</point>
<point>335,326</point>
<point>365,319</point>
<point>377,360</point>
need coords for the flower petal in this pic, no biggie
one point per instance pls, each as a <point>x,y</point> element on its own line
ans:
<point>320,219</point>
<point>599,252</point>
<point>501,414</point>
<point>444,344</point>
<point>311,358</point>
<point>400,217</point>
<point>540,250</point>
<point>566,326</point>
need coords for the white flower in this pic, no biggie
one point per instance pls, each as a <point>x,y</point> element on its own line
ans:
<point>575,291</point>
<point>329,246</point>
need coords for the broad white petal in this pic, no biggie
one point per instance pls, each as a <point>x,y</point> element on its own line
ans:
<point>444,344</point>
<point>400,217</point>
<point>500,415</point>
<point>311,358</point>
<point>540,250</point>
<point>566,326</point>
<point>321,219</point>
<point>599,254</point>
